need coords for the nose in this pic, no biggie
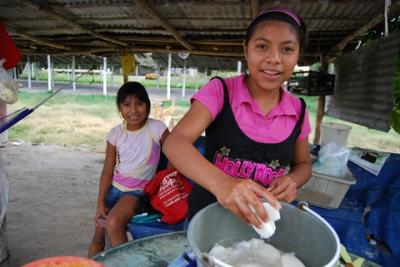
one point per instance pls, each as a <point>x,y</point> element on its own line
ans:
<point>133,108</point>
<point>273,56</point>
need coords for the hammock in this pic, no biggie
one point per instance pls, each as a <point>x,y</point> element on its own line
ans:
<point>12,118</point>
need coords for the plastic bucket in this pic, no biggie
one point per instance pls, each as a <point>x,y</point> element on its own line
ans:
<point>304,232</point>
<point>334,132</point>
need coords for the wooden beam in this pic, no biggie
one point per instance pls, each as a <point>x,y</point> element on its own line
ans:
<point>21,32</point>
<point>254,6</point>
<point>70,22</point>
<point>165,24</point>
<point>337,49</point>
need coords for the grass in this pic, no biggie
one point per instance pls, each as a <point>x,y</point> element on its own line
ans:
<point>74,120</point>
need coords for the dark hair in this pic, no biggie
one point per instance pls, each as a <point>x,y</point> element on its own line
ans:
<point>136,89</point>
<point>280,14</point>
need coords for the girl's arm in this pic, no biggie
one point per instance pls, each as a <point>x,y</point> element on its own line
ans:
<point>234,194</point>
<point>162,140</point>
<point>285,187</point>
<point>106,176</point>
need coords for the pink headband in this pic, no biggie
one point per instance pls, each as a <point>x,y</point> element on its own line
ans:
<point>282,10</point>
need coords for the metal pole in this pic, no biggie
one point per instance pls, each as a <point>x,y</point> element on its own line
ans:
<point>68,73</point>
<point>53,83</point>
<point>158,76</point>
<point>184,79</point>
<point>105,76</point>
<point>73,74</point>
<point>169,77</point>
<point>239,67</point>
<point>29,73</point>
<point>48,73</point>
<point>112,76</point>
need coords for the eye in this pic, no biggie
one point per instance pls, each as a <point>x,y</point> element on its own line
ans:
<point>261,46</point>
<point>287,50</point>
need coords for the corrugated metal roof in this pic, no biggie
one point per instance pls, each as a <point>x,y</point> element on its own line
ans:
<point>145,26</point>
<point>365,84</point>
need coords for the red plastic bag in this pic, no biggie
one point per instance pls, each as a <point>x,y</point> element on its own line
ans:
<point>168,192</point>
<point>8,50</point>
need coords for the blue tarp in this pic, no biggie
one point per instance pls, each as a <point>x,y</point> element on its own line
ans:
<point>368,219</point>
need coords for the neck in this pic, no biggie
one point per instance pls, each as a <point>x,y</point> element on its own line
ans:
<point>132,128</point>
<point>266,99</point>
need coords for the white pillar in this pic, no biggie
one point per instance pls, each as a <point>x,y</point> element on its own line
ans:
<point>137,72</point>
<point>73,74</point>
<point>184,79</point>
<point>112,76</point>
<point>29,73</point>
<point>53,83</point>
<point>36,71</point>
<point>239,67</point>
<point>158,76</point>
<point>49,73</point>
<point>104,75</point>
<point>169,77</point>
<point>15,73</point>
<point>68,73</point>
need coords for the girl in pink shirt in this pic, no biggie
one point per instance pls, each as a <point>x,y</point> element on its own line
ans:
<point>255,130</point>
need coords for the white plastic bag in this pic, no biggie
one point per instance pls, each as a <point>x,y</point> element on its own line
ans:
<point>332,160</point>
<point>8,87</point>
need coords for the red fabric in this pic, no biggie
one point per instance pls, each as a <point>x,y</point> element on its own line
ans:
<point>8,50</point>
<point>168,192</point>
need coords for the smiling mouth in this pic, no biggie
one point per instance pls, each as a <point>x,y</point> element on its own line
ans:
<point>271,74</point>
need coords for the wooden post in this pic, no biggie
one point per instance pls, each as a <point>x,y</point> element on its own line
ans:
<point>321,105</point>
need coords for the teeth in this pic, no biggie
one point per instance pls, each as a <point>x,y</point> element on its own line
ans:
<point>270,72</point>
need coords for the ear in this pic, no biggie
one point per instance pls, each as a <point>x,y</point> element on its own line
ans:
<point>245,50</point>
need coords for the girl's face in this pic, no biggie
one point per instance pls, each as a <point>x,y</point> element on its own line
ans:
<point>134,112</point>
<point>271,53</point>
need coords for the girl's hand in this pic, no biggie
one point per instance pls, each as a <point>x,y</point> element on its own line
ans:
<point>284,188</point>
<point>101,213</point>
<point>238,195</point>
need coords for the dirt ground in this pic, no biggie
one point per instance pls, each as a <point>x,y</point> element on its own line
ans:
<point>53,193</point>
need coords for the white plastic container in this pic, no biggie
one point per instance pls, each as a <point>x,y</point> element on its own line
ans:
<point>325,191</point>
<point>334,132</point>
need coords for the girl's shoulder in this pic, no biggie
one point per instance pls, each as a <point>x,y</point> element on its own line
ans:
<point>232,83</point>
<point>117,128</point>
<point>114,133</point>
<point>156,125</point>
<point>292,101</point>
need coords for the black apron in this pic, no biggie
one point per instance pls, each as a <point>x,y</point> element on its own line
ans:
<point>228,148</point>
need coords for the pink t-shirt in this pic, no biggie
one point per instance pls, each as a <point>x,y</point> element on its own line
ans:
<point>273,128</point>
